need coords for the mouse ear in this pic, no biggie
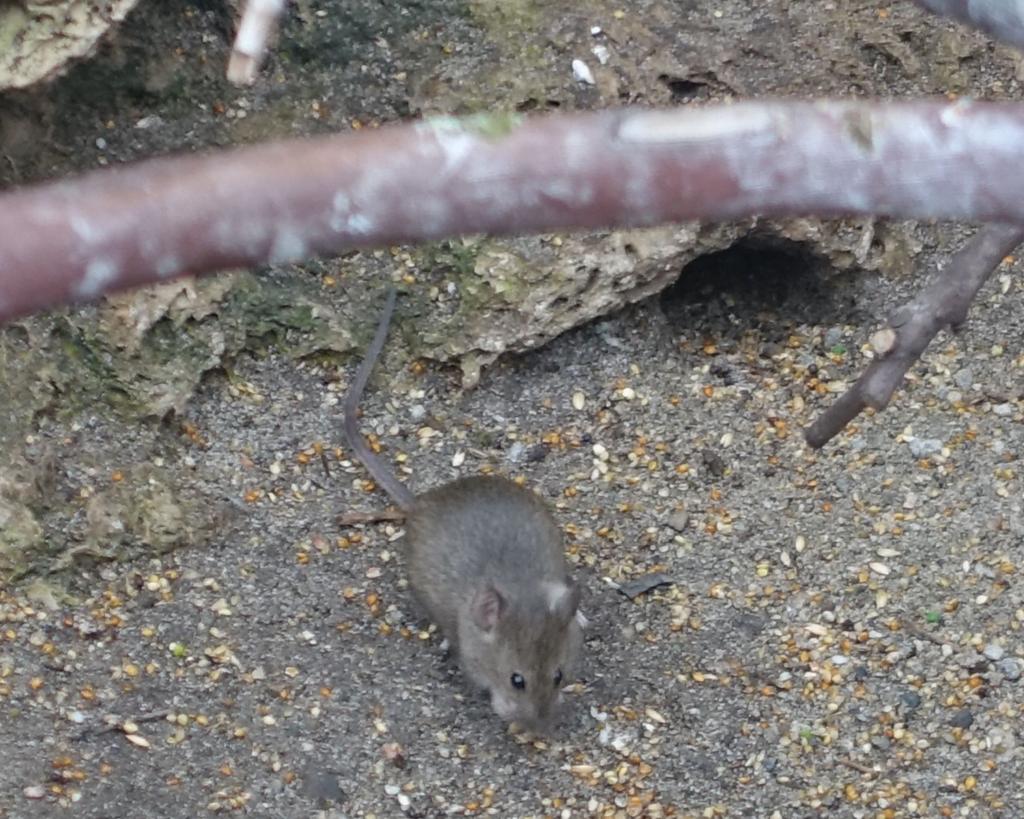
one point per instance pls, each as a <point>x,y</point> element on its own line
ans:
<point>487,607</point>
<point>563,599</point>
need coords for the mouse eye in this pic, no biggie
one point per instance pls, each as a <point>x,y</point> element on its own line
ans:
<point>558,678</point>
<point>518,681</point>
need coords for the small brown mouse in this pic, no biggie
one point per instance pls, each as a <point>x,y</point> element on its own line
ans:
<point>486,561</point>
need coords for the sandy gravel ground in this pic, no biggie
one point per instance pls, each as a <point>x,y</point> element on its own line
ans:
<point>842,631</point>
<point>843,635</point>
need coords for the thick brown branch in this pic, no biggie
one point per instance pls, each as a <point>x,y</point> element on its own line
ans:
<point>943,303</point>
<point>1001,19</point>
<point>116,228</point>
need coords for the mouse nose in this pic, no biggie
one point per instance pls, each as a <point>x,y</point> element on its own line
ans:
<point>544,718</point>
<point>545,725</point>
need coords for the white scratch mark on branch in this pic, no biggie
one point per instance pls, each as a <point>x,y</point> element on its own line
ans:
<point>288,246</point>
<point>695,125</point>
<point>98,274</point>
<point>167,266</point>
<point>231,234</point>
<point>452,139</point>
<point>83,228</point>
<point>359,224</point>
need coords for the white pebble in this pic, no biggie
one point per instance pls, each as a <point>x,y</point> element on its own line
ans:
<point>581,72</point>
<point>994,652</point>
<point>924,447</point>
<point>152,121</point>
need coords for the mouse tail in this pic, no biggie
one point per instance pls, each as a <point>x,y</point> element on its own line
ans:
<point>378,470</point>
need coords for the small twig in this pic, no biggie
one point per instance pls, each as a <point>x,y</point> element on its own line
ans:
<point>942,303</point>
<point>355,518</point>
<point>118,724</point>
<point>154,716</point>
<point>915,630</point>
<point>856,766</point>
<point>642,585</point>
<point>259,20</point>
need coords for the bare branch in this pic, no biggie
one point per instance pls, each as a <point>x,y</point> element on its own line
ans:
<point>942,303</point>
<point>116,228</point>
<point>1001,19</point>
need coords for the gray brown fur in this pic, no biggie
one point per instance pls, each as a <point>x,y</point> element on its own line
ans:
<point>486,562</point>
